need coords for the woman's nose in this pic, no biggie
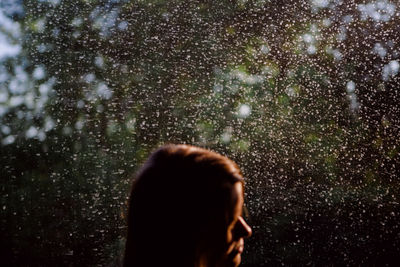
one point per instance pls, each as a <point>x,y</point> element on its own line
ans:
<point>243,229</point>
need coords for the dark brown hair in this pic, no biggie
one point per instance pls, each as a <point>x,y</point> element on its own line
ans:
<point>179,207</point>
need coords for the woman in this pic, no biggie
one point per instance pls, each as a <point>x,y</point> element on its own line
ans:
<point>185,209</point>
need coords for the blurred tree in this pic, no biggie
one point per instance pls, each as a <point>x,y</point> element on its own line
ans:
<point>303,94</point>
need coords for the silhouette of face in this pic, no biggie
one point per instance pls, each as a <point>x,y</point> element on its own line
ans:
<point>237,230</point>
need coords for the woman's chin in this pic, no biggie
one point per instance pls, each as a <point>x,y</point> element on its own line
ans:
<point>237,260</point>
<point>234,260</point>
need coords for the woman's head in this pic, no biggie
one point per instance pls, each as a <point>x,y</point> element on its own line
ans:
<point>185,210</point>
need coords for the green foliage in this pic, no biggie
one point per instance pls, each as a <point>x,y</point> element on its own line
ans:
<point>268,83</point>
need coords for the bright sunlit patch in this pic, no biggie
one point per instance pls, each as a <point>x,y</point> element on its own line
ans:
<point>7,50</point>
<point>390,69</point>
<point>103,91</point>
<point>244,111</point>
<point>264,49</point>
<point>39,73</point>
<point>380,50</point>
<point>308,38</point>
<point>8,140</point>
<point>377,10</point>
<point>3,96</point>
<point>320,3</point>
<point>311,49</point>
<point>350,87</point>
<point>31,132</point>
